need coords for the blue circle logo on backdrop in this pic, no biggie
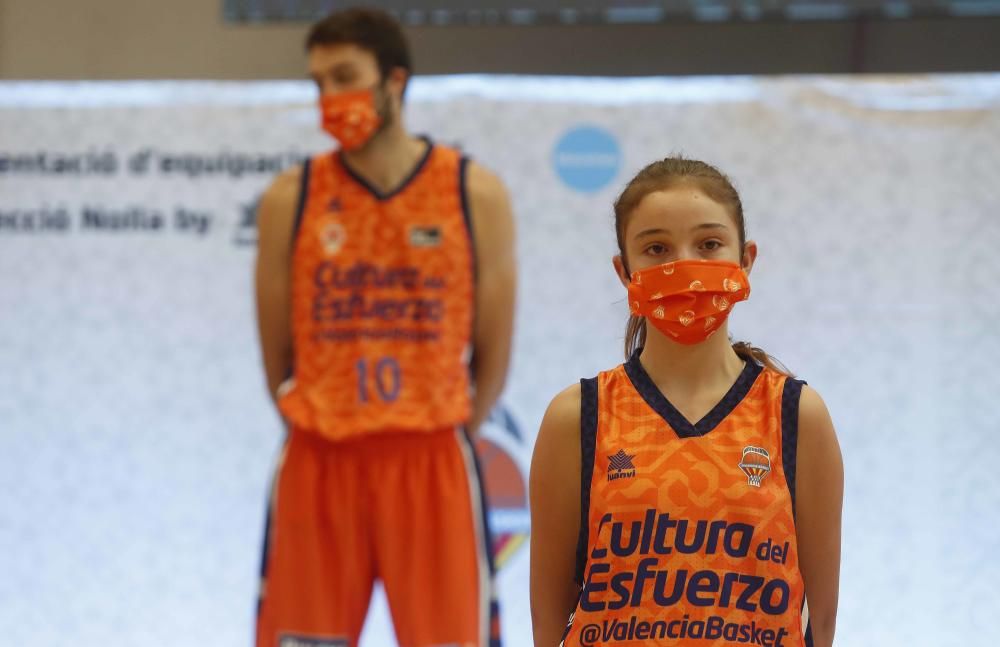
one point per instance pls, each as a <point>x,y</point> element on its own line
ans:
<point>587,158</point>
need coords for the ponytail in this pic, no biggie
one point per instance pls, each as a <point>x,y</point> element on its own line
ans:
<point>635,339</point>
<point>635,335</point>
<point>751,353</point>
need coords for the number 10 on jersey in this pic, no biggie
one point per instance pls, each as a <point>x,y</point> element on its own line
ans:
<point>383,374</point>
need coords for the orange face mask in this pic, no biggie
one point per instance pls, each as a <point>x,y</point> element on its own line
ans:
<point>687,300</point>
<point>350,117</point>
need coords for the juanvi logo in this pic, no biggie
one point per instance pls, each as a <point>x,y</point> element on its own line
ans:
<point>620,466</point>
<point>587,158</point>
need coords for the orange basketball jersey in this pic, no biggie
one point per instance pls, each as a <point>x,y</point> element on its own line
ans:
<point>382,300</point>
<point>688,534</point>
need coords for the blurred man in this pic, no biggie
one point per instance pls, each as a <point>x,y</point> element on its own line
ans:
<point>385,294</point>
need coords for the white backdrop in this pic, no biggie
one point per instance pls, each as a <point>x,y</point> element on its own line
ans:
<point>136,439</point>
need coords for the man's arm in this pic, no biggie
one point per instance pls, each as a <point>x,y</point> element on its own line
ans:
<point>275,221</point>
<point>496,283</point>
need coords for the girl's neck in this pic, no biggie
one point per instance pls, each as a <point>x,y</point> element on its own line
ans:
<point>683,371</point>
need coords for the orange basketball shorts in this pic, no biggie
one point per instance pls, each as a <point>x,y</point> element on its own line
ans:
<point>407,508</point>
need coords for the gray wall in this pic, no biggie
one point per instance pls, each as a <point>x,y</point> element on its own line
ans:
<point>124,39</point>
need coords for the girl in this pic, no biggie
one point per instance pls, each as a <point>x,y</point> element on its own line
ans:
<point>692,495</point>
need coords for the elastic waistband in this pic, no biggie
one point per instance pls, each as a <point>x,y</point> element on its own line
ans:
<point>390,437</point>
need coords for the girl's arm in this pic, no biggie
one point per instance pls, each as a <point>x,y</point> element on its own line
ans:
<point>819,499</point>
<point>554,488</point>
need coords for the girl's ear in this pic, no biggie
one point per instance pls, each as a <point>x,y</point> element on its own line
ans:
<point>749,256</point>
<point>620,270</point>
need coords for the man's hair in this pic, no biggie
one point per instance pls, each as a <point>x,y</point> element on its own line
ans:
<point>371,29</point>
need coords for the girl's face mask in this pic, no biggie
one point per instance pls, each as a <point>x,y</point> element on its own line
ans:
<point>688,300</point>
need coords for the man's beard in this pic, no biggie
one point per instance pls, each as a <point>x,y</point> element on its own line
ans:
<point>383,106</point>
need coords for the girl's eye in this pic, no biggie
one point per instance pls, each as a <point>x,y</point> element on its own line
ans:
<point>711,245</point>
<point>656,249</point>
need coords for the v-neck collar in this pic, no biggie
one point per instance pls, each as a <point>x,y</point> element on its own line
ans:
<point>379,195</point>
<point>685,429</point>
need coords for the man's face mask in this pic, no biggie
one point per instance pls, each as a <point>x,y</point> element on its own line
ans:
<point>351,117</point>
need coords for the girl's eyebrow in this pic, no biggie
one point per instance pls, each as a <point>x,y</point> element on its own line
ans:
<point>652,232</point>
<point>659,230</point>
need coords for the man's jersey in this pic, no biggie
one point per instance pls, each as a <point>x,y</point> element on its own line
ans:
<point>382,300</point>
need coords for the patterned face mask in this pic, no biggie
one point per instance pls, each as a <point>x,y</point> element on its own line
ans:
<point>350,117</point>
<point>687,300</point>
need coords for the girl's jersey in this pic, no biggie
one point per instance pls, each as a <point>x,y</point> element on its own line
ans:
<point>382,301</point>
<point>688,534</point>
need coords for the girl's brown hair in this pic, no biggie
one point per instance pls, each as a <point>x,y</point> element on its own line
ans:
<point>665,174</point>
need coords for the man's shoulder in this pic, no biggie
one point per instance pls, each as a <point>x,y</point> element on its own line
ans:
<point>286,184</point>
<point>276,209</point>
<point>484,185</point>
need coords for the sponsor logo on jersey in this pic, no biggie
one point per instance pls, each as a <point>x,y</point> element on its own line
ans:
<point>652,578</point>
<point>425,236</point>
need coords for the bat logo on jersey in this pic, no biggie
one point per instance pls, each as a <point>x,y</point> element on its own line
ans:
<point>620,466</point>
<point>425,236</point>
<point>332,237</point>
<point>756,464</point>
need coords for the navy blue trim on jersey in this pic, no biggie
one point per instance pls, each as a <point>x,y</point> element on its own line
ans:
<point>682,426</point>
<point>357,177</point>
<point>265,553</point>
<point>790,396</point>
<point>300,208</point>
<point>808,636</point>
<point>569,622</point>
<point>463,165</point>
<point>463,192</point>
<point>588,449</point>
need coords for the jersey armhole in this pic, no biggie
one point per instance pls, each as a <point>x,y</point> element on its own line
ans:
<point>790,396</point>
<point>588,447</point>
<point>463,191</point>
<point>300,207</point>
